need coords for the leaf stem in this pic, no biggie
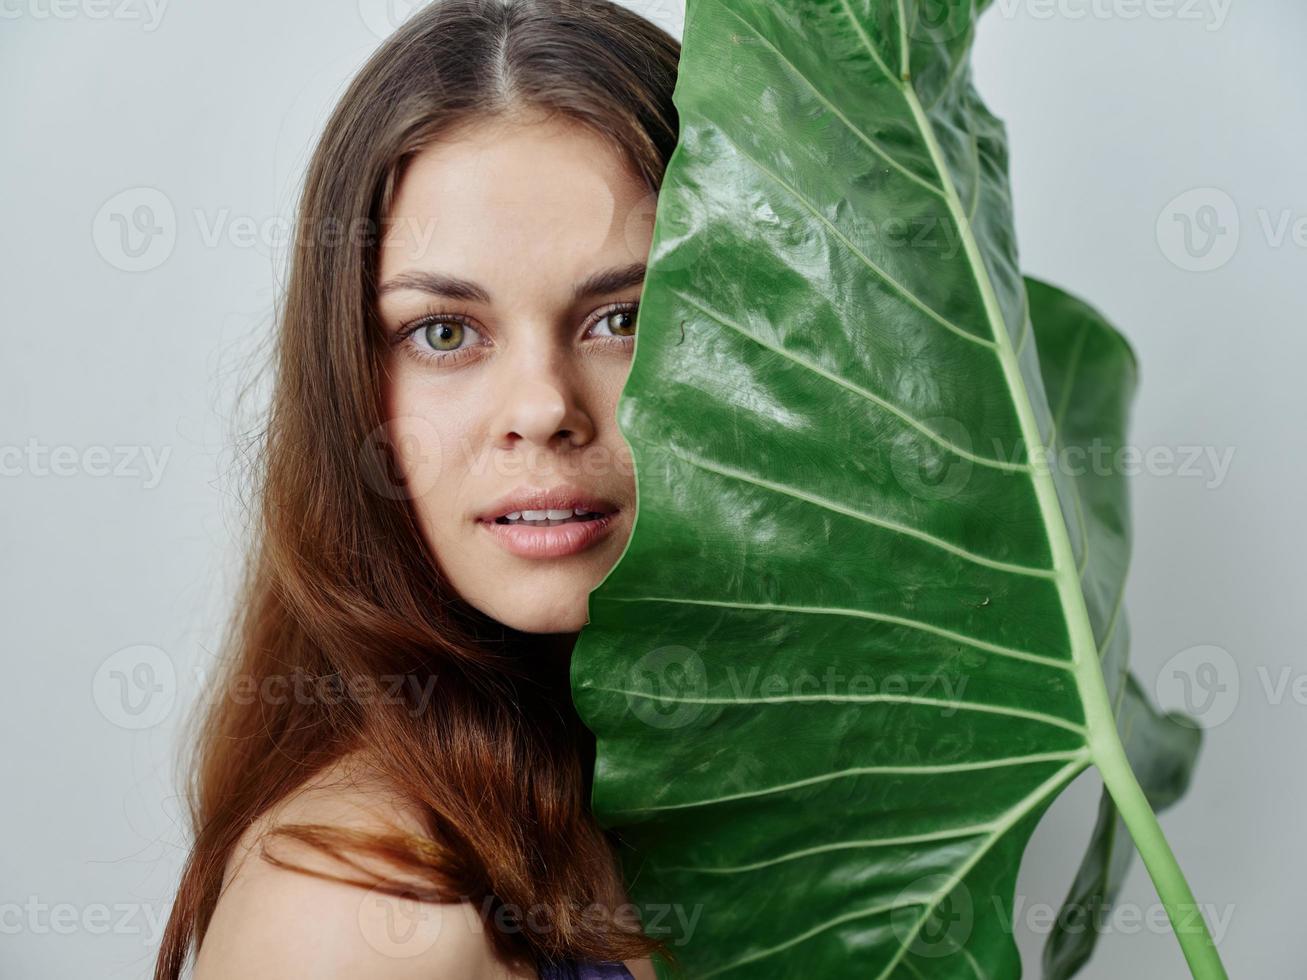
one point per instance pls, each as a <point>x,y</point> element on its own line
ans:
<point>1104,742</point>
<point>1184,912</point>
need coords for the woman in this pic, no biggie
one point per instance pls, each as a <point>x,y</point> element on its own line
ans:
<point>392,781</point>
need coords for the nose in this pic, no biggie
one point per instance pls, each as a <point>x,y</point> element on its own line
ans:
<point>542,404</point>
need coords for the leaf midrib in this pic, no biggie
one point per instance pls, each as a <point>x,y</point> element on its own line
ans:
<point>1089,679</point>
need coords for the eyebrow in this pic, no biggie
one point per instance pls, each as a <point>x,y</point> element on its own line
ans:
<point>438,284</point>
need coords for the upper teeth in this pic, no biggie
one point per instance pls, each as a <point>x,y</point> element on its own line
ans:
<point>545,515</point>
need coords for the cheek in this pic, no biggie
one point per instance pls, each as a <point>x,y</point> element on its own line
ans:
<point>419,453</point>
<point>425,436</point>
<point>606,381</point>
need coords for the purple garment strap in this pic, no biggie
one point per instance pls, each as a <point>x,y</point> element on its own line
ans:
<point>580,970</point>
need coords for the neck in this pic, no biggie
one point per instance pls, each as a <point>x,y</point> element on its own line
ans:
<point>557,647</point>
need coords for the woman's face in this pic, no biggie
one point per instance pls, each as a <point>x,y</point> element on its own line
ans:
<point>512,263</point>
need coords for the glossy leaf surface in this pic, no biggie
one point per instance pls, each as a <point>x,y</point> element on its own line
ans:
<point>1078,351</point>
<point>851,652</point>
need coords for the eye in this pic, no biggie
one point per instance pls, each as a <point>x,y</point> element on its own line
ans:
<point>619,322</point>
<point>443,337</point>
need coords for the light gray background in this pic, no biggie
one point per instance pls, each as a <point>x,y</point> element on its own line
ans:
<point>1114,109</point>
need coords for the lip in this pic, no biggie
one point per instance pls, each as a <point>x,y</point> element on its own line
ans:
<point>548,542</point>
<point>564,497</point>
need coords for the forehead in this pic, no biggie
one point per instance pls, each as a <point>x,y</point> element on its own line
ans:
<point>516,197</point>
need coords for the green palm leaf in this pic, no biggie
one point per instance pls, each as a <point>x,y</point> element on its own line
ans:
<point>1090,376</point>
<point>851,652</point>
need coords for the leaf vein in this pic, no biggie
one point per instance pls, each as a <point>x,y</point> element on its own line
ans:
<point>857,389</point>
<point>892,526</point>
<point>1038,717</point>
<point>883,275</point>
<point>849,123</point>
<point>916,624</point>
<point>894,770</point>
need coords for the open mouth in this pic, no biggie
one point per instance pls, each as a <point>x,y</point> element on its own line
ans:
<point>548,518</point>
<point>550,533</point>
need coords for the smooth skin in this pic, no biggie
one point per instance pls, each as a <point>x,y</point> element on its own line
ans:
<point>526,209</point>
<point>528,394</point>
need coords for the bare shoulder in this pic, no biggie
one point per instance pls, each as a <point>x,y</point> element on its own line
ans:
<point>271,922</point>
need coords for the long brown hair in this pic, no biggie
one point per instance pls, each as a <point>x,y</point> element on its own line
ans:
<point>338,583</point>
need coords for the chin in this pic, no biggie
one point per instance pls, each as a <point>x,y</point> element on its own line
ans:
<point>559,615</point>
